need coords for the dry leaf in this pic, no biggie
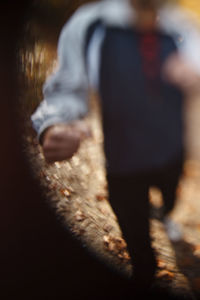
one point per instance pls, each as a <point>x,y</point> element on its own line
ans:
<point>126,256</point>
<point>166,274</point>
<point>121,244</point>
<point>100,197</point>
<point>106,239</point>
<point>120,255</point>
<point>53,186</point>
<point>116,245</point>
<point>79,216</point>
<point>57,164</point>
<point>65,192</point>
<point>111,246</point>
<point>161,264</point>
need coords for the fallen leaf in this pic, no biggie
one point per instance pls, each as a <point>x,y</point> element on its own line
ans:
<point>57,164</point>
<point>53,186</point>
<point>166,274</point>
<point>120,243</point>
<point>111,246</point>
<point>126,256</point>
<point>120,255</point>
<point>65,192</point>
<point>106,239</point>
<point>79,216</point>
<point>100,197</point>
<point>161,264</point>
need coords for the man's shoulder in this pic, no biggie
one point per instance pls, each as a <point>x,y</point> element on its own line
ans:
<point>108,11</point>
<point>82,17</point>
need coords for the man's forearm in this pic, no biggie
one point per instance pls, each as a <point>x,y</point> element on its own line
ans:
<point>62,141</point>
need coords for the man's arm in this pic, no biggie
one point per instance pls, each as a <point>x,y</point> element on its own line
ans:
<point>182,68</point>
<point>179,71</point>
<point>66,91</point>
<point>62,141</point>
<point>57,119</point>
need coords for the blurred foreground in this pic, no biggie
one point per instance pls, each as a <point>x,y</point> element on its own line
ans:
<point>77,189</point>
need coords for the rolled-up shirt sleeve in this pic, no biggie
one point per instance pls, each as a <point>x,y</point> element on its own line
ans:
<point>66,91</point>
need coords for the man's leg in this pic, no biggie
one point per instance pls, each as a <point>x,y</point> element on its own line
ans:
<point>129,200</point>
<point>168,185</point>
<point>168,190</point>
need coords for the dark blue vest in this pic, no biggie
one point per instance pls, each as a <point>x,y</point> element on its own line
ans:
<point>142,119</point>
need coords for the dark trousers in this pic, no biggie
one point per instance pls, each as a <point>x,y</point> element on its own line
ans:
<point>129,198</point>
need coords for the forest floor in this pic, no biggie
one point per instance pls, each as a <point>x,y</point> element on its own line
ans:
<point>77,191</point>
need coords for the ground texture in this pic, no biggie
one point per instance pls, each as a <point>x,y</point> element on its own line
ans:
<point>76,189</point>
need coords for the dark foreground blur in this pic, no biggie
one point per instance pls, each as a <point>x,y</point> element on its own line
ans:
<point>39,258</point>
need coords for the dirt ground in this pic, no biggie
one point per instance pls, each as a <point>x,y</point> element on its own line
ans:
<point>77,191</point>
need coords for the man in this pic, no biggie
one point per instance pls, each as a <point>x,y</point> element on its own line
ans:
<point>142,57</point>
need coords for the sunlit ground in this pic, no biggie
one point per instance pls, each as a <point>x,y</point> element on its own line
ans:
<point>77,188</point>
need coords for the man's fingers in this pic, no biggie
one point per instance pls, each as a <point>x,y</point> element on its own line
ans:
<point>64,149</point>
<point>59,154</point>
<point>62,141</point>
<point>53,157</point>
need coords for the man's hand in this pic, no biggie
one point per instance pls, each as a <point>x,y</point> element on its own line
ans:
<point>62,141</point>
<point>178,71</point>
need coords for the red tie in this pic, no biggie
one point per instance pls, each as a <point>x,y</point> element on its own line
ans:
<point>150,53</point>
